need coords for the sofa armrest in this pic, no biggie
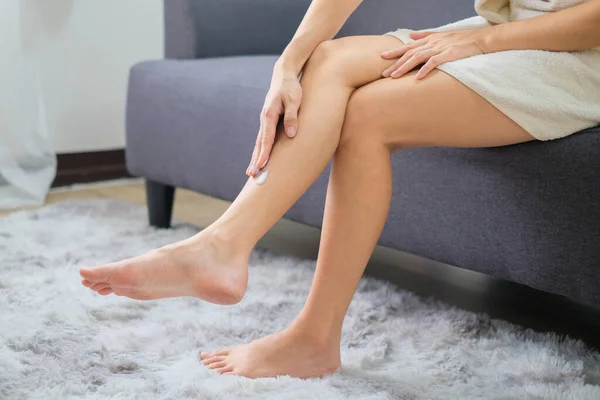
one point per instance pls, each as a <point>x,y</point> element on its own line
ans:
<point>217,28</point>
<point>180,31</point>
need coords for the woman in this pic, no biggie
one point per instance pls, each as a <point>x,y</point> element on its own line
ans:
<point>363,98</point>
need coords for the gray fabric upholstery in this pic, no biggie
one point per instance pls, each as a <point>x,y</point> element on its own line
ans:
<point>214,28</point>
<point>199,113</point>
<point>529,213</point>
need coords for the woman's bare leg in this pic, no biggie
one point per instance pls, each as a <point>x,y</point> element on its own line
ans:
<point>382,116</point>
<point>213,264</point>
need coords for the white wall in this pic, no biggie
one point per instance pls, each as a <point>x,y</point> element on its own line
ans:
<point>85,49</point>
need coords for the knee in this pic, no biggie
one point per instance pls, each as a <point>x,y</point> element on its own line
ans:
<point>362,121</point>
<point>327,58</point>
<point>373,119</point>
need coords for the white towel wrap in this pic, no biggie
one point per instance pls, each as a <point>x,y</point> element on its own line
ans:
<point>549,94</point>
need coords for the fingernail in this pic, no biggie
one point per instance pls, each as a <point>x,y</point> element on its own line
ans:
<point>395,74</point>
<point>386,53</point>
<point>253,170</point>
<point>386,73</point>
<point>291,131</point>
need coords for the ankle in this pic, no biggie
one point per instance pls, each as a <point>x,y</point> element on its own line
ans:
<point>319,336</point>
<point>226,239</point>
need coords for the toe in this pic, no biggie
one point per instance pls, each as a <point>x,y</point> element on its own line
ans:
<point>228,370</point>
<point>99,286</point>
<point>87,283</point>
<point>209,354</point>
<point>217,365</point>
<point>97,274</point>
<point>105,292</point>
<point>212,360</point>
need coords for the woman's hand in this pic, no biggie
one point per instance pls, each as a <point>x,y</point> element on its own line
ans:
<point>284,97</point>
<point>433,49</point>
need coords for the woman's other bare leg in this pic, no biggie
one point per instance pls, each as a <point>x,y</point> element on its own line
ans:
<point>381,117</point>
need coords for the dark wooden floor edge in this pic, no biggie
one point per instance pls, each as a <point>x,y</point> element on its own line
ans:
<point>90,167</point>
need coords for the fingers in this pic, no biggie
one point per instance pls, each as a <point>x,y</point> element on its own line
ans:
<point>431,51</point>
<point>408,61</point>
<point>420,35</point>
<point>290,118</point>
<point>390,70</point>
<point>266,139</point>
<point>403,54</point>
<point>399,52</point>
<point>286,103</point>
<point>251,170</point>
<point>269,118</point>
<point>430,65</point>
<point>412,61</point>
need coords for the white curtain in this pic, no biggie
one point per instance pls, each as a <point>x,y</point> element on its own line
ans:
<point>27,162</point>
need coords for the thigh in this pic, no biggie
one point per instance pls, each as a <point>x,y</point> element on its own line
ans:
<point>356,60</point>
<point>436,111</point>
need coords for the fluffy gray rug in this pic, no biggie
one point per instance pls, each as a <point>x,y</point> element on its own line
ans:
<point>58,340</point>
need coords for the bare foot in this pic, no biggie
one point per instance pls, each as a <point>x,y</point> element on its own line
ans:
<point>201,266</point>
<point>283,353</point>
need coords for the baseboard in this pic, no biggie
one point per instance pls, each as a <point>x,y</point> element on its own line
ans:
<point>90,167</point>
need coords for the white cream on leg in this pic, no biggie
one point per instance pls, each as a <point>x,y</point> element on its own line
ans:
<point>262,177</point>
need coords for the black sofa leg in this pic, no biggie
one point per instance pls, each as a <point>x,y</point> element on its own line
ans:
<point>160,203</point>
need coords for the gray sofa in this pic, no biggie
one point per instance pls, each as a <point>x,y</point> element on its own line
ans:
<point>527,213</point>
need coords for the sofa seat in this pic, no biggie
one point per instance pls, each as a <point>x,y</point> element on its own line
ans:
<point>529,213</point>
